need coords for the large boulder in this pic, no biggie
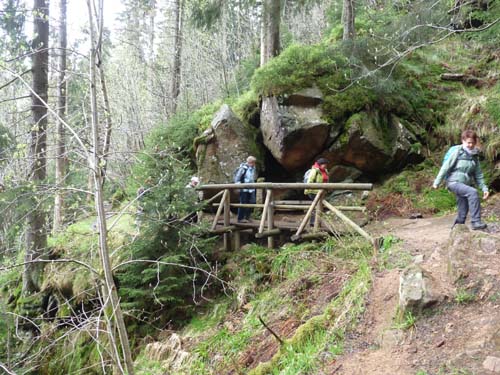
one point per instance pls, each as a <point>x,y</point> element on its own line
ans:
<point>471,256</point>
<point>224,145</point>
<point>293,128</point>
<point>375,142</point>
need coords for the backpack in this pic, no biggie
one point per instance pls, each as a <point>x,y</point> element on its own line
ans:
<point>239,173</point>
<point>450,151</point>
<point>448,154</point>
<point>307,175</point>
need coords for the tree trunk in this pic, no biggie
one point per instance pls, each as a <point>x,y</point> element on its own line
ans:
<point>270,32</point>
<point>36,236</point>
<point>348,18</point>
<point>176,66</point>
<point>111,303</point>
<point>61,160</point>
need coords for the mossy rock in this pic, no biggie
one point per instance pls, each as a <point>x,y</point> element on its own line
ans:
<point>375,142</point>
<point>226,144</point>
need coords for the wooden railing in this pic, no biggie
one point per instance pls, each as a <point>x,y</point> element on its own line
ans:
<point>266,225</point>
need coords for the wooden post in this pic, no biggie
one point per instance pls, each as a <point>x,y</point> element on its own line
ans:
<point>269,193</point>
<point>219,209</point>
<point>317,218</point>
<point>308,213</point>
<point>227,220</point>
<point>237,240</point>
<point>348,221</point>
<point>270,218</point>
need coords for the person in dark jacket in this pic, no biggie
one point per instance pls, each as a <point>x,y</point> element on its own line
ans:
<point>462,171</point>
<point>246,174</point>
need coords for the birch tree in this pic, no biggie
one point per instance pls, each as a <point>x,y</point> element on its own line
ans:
<point>61,159</point>
<point>111,303</point>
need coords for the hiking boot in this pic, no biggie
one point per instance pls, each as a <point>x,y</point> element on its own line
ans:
<point>456,222</point>
<point>478,226</point>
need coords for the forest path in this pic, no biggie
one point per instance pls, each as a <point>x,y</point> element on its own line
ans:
<point>378,346</point>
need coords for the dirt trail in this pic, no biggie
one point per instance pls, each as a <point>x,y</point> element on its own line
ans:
<point>452,337</point>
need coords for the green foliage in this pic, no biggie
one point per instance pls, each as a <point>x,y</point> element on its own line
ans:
<point>158,277</point>
<point>183,128</point>
<point>76,351</point>
<point>350,248</point>
<point>441,200</point>
<point>247,107</point>
<point>464,296</point>
<point>405,322</point>
<point>392,255</point>
<point>292,261</point>
<point>299,67</point>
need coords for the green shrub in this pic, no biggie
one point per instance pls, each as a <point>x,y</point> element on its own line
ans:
<point>183,128</point>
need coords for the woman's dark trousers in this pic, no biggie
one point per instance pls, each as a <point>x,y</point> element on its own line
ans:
<point>467,200</point>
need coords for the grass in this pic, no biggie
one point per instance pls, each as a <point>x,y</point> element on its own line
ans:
<point>463,296</point>
<point>392,254</point>
<point>406,322</point>
<point>323,332</point>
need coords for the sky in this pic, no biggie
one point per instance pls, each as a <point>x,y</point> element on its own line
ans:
<point>78,16</point>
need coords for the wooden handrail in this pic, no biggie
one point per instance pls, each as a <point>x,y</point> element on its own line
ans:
<point>288,185</point>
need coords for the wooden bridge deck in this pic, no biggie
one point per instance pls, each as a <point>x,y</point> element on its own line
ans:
<point>270,225</point>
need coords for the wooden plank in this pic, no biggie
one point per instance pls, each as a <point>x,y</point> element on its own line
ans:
<point>227,220</point>
<point>231,228</point>
<point>292,207</point>
<point>304,222</point>
<point>269,193</point>
<point>270,220</point>
<point>312,236</point>
<point>268,233</point>
<point>219,210</point>
<point>348,221</point>
<point>294,185</point>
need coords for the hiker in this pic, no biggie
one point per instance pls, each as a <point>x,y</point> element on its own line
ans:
<point>461,171</point>
<point>317,174</point>
<point>194,217</point>
<point>195,181</point>
<point>246,174</point>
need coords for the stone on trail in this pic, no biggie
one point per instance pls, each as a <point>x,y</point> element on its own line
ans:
<point>492,364</point>
<point>416,290</point>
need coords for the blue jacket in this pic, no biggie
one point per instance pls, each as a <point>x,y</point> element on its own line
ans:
<point>461,167</point>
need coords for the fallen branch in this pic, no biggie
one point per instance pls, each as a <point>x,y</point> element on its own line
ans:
<point>270,330</point>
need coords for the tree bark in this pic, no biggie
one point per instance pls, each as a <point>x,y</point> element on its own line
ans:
<point>176,65</point>
<point>61,160</point>
<point>348,18</point>
<point>36,236</point>
<point>111,303</point>
<point>270,32</point>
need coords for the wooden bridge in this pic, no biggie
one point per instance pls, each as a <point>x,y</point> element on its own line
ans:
<point>267,225</point>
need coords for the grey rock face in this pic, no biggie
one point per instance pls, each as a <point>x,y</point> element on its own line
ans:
<point>224,146</point>
<point>293,130</point>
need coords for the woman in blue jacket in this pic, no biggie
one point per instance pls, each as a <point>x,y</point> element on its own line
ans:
<point>462,171</point>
